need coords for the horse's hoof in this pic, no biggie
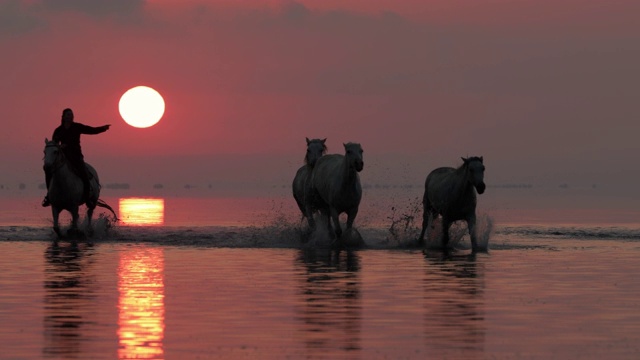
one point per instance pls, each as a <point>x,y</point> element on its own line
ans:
<point>305,235</point>
<point>478,250</point>
<point>75,234</point>
<point>352,238</point>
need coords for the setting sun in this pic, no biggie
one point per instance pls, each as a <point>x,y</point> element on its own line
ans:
<point>141,106</point>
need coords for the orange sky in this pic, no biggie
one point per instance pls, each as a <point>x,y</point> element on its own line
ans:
<point>544,90</point>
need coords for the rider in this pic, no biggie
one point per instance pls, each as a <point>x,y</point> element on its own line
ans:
<point>68,136</point>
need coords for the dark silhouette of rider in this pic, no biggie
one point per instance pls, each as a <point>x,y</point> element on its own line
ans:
<point>68,136</point>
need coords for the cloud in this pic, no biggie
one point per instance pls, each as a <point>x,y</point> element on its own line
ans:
<point>296,12</point>
<point>294,48</point>
<point>19,17</point>
<point>16,18</point>
<point>97,8</point>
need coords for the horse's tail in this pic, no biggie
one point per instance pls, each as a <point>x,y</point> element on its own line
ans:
<point>103,204</point>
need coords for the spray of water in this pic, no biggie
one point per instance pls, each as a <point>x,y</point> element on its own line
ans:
<point>459,236</point>
<point>280,229</point>
<point>99,229</point>
<point>100,226</point>
<point>484,230</point>
<point>405,223</point>
<point>319,237</point>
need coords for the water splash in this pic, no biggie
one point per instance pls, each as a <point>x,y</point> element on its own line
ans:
<point>319,237</point>
<point>484,230</point>
<point>280,230</point>
<point>458,234</point>
<point>434,234</point>
<point>405,224</point>
<point>100,226</point>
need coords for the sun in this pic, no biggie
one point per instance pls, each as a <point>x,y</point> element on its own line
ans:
<point>141,107</point>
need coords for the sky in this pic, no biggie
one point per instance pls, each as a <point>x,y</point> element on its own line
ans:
<point>545,90</point>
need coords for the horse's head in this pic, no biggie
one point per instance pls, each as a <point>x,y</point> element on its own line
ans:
<point>52,154</point>
<point>476,172</point>
<point>353,155</point>
<point>315,149</point>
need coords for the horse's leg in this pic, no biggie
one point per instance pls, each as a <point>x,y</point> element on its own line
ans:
<point>324,214</point>
<point>351,217</point>
<point>75,215</point>
<point>56,225</point>
<point>336,222</point>
<point>471,226</point>
<point>74,220</point>
<point>446,222</point>
<point>426,214</point>
<point>308,213</point>
<point>309,199</point>
<point>89,215</point>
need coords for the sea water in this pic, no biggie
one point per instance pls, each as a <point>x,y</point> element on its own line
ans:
<point>236,278</point>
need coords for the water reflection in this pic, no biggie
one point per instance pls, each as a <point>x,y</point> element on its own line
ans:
<point>141,211</point>
<point>331,304</point>
<point>69,298</point>
<point>141,304</point>
<point>454,303</point>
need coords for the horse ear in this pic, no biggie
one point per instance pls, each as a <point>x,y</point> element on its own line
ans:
<point>323,140</point>
<point>46,140</point>
<point>307,140</point>
<point>480,158</point>
<point>464,159</point>
<point>345,145</point>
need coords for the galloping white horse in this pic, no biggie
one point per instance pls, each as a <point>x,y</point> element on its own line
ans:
<point>66,188</point>
<point>335,186</point>
<point>315,149</point>
<point>452,193</point>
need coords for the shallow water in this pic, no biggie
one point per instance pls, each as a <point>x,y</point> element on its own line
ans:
<point>238,287</point>
<point>108,300</point>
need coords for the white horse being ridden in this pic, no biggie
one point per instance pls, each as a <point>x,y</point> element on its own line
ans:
<point>66,188</point>
<point>316,148</point>
<point>452,193</point>
<point>335,186</point>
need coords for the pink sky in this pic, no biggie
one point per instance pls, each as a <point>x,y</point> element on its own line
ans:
<point>545,90</point>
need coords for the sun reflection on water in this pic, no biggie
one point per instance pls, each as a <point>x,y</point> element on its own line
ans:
<point>141,211</point>
<point>141,304</point>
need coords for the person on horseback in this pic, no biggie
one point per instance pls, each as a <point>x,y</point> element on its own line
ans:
<point>68,136</point>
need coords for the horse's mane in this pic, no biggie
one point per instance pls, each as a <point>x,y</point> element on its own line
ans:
<point>467,161</point>
<point>324,148</point>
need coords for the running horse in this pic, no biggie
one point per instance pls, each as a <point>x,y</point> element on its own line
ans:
<point>316,148</point>
<point>335,186</point>
<point>452,193</point>
<point>66,189</point>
